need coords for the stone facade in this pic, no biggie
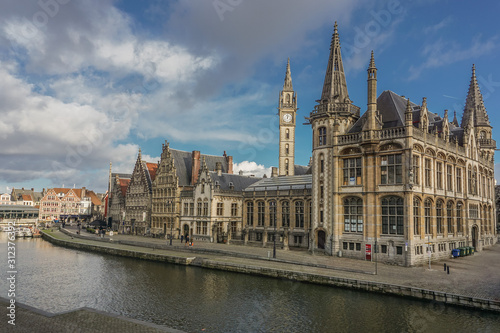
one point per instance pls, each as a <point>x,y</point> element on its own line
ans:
<point>117,206</point>
<point>399,178</point>
<point>138,197</point>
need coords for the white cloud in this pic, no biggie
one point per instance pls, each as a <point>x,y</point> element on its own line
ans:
<point>251,168</point>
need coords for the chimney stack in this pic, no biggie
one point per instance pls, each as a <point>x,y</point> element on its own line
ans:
<point>240,172</point>
<point>218,168</point>
<point>229,160</point>
<point>274,172</point>
<point>195,166</point>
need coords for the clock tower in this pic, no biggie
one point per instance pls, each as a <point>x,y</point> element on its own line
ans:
<point>287,113</point>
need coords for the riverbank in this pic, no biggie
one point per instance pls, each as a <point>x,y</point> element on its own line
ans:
<point>460,287</point>
<point>29,319</point>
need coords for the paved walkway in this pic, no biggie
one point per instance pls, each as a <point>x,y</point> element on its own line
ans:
<point>474,276</point>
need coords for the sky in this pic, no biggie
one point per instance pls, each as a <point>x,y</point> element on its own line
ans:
<point>86,83</point>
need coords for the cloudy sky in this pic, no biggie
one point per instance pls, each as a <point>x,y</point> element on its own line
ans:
<point>86,83</point>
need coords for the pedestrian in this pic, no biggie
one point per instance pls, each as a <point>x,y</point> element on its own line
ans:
<point>187,239</point>
<point>182,238</point>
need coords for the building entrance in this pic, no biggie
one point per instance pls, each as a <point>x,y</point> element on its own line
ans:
<point>321,239</point>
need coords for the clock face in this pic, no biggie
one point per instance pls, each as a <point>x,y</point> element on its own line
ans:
<point>287,117</point>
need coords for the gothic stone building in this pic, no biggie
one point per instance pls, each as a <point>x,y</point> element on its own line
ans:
<point>399,177</point>
<point>118,192</point>
<point>178,172</point>
<point>138,197</point>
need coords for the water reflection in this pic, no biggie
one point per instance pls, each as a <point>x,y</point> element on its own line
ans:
<point>57,279</point>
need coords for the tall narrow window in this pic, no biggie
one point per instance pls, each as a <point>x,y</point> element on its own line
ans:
<point>459,217</point>
<point>272,213</point>
<point>416,169</point>
<point>286,167</point>
<point>234,209</point>
<point>205,209</point>
<point>449,177</point>
<point>353,215</point>
<point>391,169</point>
<point>392,215</point>
<point>285,214</point>
<point>199,208</point>
<point>352,171</point>
<point>321,136</point>
<point>416,216</point>
<point>439,216</point>
<point>428,172</point>
<point>250,212</point>
<point>321,163</point>
<point>449,216</point>
<point>287,149</point>
<point>458,172</point>
<point>428,216</point>
<point>287,134</point>
<point>469,180</point>
<point>299,214</point>
<point>261,211</point>
<point>439,175</point>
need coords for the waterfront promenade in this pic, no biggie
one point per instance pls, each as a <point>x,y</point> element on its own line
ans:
<point>474,276</point>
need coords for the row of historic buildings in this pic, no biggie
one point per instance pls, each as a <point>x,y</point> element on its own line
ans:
<point>398,179</point>
<point>69,204</point>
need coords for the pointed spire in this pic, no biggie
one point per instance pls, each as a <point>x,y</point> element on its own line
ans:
<point>288,78</point>
<point>474,105</point>
<point>335,86</point>
<point>408,113</point>
<point>372,62</point>
<point>455,120</point>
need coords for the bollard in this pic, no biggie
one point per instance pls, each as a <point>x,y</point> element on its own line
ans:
<point>448,269</point>
<point>445,267</point>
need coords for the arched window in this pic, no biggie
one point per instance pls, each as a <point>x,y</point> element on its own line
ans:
<point>449,216</point>
<point>416,216</point>
<point>439,216</point>
<point>287,149</point>
<point>428,215</point>
<point>260,213</point>
<point>286,166</point>
<point>285,214</point>
<point>272,213</point>
<point>353,214</point>
<point>299,214</point>
<point>392,216</point>
<point>250,213</point>
<point>287,134</point>
<point>321,136</point>
<point>321,163</point>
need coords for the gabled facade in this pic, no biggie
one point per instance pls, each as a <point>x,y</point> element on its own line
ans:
<point>178,172</point>
<point>138,197</point>
<point>212,211</point>
<point>117,198</point>
<point>6,199</point>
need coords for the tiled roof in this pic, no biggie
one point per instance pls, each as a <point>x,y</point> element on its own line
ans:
<point>27,197</point>
<point>282,183</point>
<point>152,168</point>
<point>93,197</point>
<point>239,182</point>
<point>183,164</point>
<point>123,185</point>
<point>301,170</point>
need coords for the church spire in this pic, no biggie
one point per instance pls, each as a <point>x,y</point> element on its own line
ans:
<point>474,105</point>
<point>335,86</point>
<point>287,86</point>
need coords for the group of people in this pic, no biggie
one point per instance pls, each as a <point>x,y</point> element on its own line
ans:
<point>186,240</point>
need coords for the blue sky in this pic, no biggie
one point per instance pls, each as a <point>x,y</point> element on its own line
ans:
<point>88,83</point>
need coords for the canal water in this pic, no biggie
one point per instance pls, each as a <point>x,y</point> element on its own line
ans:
<point>193,299</point>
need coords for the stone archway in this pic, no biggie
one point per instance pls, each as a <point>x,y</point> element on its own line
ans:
<point>186,230</point>
<point>321,239</point>
<point>475,236</point>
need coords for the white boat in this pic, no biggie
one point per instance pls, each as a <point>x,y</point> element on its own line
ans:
<point>19,233</point>
<point>27,232</point>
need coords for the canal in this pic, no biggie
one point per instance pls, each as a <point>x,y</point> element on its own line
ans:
<point>193,299</point>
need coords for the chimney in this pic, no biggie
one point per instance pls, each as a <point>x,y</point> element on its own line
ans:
<point>83,191</point>
<point>32,189</point>
<point>274,172</point>
<point>218,168</point>
<point>195,166</point>
<point>240,172</point>
<point>229,160</point>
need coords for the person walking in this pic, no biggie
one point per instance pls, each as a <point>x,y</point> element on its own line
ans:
<point>187,239</point>
<point>182,238</point>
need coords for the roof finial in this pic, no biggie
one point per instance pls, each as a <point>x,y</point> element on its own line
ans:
<point>335,30</point>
